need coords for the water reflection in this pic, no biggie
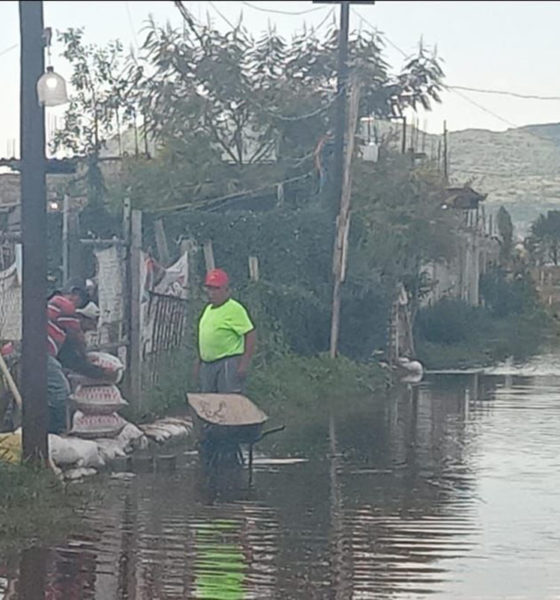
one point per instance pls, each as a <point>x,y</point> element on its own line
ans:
<point>415,494</point>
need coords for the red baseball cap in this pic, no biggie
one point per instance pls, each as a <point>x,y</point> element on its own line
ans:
<point>216,278</point>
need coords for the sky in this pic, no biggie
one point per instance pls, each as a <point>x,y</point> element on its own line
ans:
<point>511,46</point>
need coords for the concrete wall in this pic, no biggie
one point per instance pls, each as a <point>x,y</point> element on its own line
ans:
<point>460,277</point>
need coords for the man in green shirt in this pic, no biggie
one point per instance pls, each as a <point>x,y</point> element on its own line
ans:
<point>226,339</point>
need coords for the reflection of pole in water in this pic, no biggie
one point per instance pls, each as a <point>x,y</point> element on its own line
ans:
<point>32,574</point>
<point>126,583</point>
<point>340,578</point>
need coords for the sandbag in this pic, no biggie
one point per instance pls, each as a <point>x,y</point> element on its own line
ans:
<point>98,399</point>
<point>110,449</point>
<point>131,436</point>
<point>96,426</point>
<point>73,451</point>
<point>109,363</point>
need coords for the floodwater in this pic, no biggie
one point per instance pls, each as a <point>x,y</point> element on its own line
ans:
<point>449,489</point>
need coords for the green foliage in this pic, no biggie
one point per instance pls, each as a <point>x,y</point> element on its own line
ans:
<point>489,341</point>
<point>504,296</point>
<point>100,104</point>
<point>450,321</point>
<point>261,106</point>
<point>169,393</point>
<point>505,229</point>
<point>454,334</point>
<point>544,240</point>
<point>294,250</point>
<point>100,100</point>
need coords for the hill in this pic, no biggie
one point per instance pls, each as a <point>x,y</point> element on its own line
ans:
<point>518,168</point>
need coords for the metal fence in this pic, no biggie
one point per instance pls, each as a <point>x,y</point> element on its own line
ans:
<point>166,327</point>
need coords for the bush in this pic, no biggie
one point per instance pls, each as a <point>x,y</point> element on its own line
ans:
<point>503,296</point>
<point>449,321</point>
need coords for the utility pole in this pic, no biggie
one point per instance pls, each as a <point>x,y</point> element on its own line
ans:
<point>340,105</point>
<point>341,188</point>
<point>445,155</point>
<point>343,220</point>
<point>34,235</point>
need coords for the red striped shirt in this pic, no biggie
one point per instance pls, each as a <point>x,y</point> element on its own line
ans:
<point>62,321</point>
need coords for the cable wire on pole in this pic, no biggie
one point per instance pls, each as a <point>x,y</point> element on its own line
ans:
<point>484,109</point>
<point>502,93</point>
<point>221,14</point>
<point>9,49</point>
<point>309,115</point>
<point>235,195</point>
<point>383,35</point>
<point>283,12</point>
<point>327,17</point>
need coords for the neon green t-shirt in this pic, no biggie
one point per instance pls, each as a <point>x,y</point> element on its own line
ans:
<point>221,330</point>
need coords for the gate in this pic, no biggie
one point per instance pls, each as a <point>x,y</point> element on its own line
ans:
<point>165,327</point>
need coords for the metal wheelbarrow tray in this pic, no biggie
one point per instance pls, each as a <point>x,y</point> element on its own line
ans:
<point>227,420</point>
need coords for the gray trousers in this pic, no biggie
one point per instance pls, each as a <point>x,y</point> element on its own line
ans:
<point>58,392</point>
<point>220,376</point>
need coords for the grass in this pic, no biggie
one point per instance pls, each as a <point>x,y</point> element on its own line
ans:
<point>36,506</point>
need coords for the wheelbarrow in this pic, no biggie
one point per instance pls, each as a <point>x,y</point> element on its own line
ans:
<point>223,423</point>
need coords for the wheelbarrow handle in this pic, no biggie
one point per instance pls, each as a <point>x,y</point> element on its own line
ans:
<point>269,431</point>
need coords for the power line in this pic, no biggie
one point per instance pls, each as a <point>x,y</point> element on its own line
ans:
<point>314,113</point>
<point>327,17</point>
<point>383,35</point>
<point>484,109</point>
<point>236,195</point>
<point>6,50</point>
<point>283,12</point>
<point>221,14</point>
<point>503,93</point>
<point>131,24</point>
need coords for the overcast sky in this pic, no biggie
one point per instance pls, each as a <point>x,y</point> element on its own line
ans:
<point>512,46</point>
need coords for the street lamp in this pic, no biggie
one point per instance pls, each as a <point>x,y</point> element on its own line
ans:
<point>51,89</point>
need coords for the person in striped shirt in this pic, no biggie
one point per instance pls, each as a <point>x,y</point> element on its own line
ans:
<point>63,323</point>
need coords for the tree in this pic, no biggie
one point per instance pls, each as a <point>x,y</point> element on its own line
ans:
<point>544,239</point>
<point>223,98</point>
<point>100,104</point>
<point>505,230</point>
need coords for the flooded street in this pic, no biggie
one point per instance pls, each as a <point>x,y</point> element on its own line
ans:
<point>450,489</point>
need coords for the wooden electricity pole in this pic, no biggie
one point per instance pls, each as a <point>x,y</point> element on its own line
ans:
<point>342,160</point>
<point>341,99</point>
<point>343,219</point>
<point>445,154</point>
<point>340,104</point>
<point>34,236</point>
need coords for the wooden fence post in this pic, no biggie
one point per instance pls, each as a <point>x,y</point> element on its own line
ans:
<point>161,243</point>
<point>254,268</point>
<point>135,291</point>
<point>209,255</point>
<point>192,249</point>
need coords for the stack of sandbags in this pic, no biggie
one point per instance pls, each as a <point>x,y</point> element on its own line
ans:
<point>98,401</point>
